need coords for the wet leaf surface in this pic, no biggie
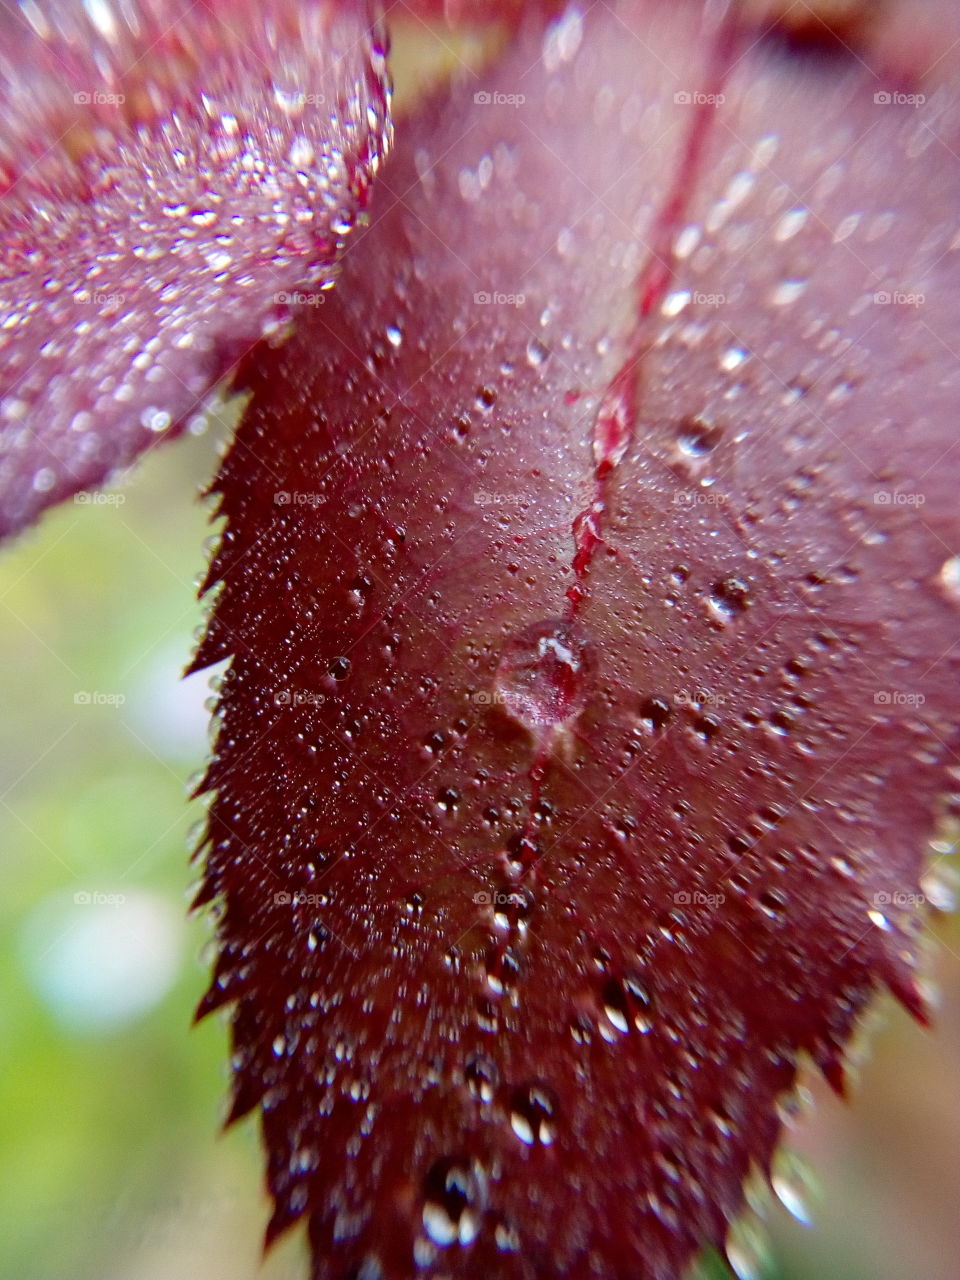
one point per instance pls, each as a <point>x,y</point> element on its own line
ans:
<point>176,179</point>
<point>590,581</point>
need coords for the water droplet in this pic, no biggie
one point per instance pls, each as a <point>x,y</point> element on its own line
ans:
<point>533,1110</point>
<point>950,578</point>
<point>155,419</point>
<point>454,1194</point>
<point>482,1077</point>
<point>940,888</point>
<point>543,674</point>
<point>728,598</point>
<point>340,668</point>
<point>732,359</point>
<point>697,438</point>
<point>675,302</point>
<point>787,292</point>
<point>536,353</point>
<point>394,336</point>
<point>789,224</point>
<point>448,799</point>
<point>507,1239</point>
<point>655,712</point>
<point>301,154</point>
<point>626,1003</point>
<point>748,1249</point>
<point>486,399</point>
<point>793,1184</point>
<point>562,40</point>
<point>772,903</point>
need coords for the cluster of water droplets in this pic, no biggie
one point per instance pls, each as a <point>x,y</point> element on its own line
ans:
<point>218,206</point>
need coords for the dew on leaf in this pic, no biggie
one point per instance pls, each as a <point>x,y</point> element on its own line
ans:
<point>728,598</point>
<point>793,1184</point>
<point>536,353</point>
<point>732,358</point>
<point>447,799</point>
<point>950,578</point>
<point>533,1111</point>
<point>453,1200</point>
<point>542,679</point>
<point>482,1077</point>
<point>627,1004</point>
<point>696,438</point>
<point>655,713</point>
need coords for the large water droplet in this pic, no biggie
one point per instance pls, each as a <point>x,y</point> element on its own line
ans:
<point>454,1192</point>
<point>627,1004</point>
<point>543,674</point>
<point>728,598</point>
<point>533,1110</point>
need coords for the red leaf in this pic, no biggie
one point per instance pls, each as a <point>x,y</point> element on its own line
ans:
<point>590,580</point>
<point>176,177</point>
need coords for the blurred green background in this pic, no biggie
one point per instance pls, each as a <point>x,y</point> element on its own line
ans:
<point>112,1165</point>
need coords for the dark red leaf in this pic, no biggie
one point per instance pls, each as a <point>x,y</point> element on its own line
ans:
<point>590,578</point>
<point>175,177</point>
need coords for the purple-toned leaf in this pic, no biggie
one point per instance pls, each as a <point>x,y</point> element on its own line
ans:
<point>177,178</point>
<point>590,580</point>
